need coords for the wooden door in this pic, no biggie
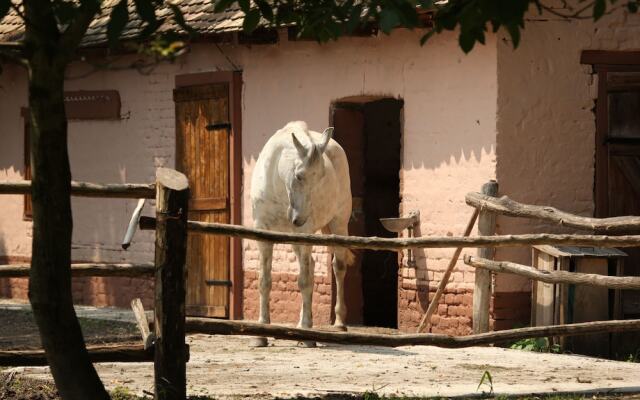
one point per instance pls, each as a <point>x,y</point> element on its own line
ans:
<point>618,175</point>
<point>202,154</point>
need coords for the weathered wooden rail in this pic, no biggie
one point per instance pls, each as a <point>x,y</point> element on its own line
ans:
<point>86,269</point>
<point>88,189</point>
<point>555,277</point>
<point>376,243</point>
<point>112,353</point>
<point>505,206</point>
<point>223,327</point>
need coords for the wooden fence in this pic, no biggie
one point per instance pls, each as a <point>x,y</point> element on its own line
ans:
<point>170,353</point>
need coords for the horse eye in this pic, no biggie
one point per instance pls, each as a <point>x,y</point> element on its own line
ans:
<point>298,177</point>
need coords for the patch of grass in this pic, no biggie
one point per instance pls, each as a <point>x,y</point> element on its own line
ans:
<point>540,345</point>
<point>123,393</point>
<point>486,380</point>
<point>26,389</point>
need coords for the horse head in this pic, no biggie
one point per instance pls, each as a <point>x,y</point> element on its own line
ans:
<point>306,174</point>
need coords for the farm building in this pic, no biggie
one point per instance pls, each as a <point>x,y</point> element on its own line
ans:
<point>422,126</point>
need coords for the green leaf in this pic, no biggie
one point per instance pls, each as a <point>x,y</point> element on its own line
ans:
<point>426,4</point>
<point>146,10</point>
<point>179,18</point>
<point>426,37</point>
<point>354,18</point>
<point>467,40</point>
<point>632,6</point>
<point>514,32</point>
<point>389,19</point>
<point>4,7</point>
<point>222,5</point>
<point>599,7</point>
<point>251,20</point>
<point>486,379</point>
<point>117,22</point>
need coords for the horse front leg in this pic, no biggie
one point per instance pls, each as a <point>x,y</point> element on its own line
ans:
<point>266,256</point>
<point>305,283</point>
<point>339,263</point>
<point>342,257</point>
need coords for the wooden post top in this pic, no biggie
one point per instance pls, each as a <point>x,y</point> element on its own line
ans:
<point>172,179</point>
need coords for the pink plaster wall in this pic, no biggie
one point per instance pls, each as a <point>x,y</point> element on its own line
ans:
<point>448,146</point>
<point>448,137</point>
<point>546,124</point>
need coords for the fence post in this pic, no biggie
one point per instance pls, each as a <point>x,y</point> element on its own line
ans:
<point>172,197</point>
<point>482,289</point>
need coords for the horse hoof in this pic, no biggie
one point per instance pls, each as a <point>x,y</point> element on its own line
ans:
<point>340,328</point>
<point>258,342</point>
<point>307,344</point>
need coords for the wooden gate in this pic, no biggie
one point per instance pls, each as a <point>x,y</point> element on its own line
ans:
<point>202,154</point>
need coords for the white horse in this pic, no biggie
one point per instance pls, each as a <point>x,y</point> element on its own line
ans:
<point>301,184</point>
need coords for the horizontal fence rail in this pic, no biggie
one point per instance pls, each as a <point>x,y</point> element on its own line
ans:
<point>86,269</point>
<point>376,243</point>
<point>110,353</point>
<point>87,189</point>
<point>574,278</point>
<point>224,327</point>
<point>505,206</point>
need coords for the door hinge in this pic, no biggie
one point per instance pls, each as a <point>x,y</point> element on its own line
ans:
<point>215,282</point>
<point>219,125</point>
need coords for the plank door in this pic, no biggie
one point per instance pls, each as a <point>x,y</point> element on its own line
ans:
<point>202,154</point>
<point>618,176</point>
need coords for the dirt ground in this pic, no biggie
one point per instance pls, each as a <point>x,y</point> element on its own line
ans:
<point>19,331</point>
<point>225,367</point>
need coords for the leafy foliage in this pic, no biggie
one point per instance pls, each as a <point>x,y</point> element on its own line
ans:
<point>540,345</point>
<point>325,20</point>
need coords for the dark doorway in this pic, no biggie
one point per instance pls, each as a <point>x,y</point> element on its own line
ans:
<point>369,129</point>
<point>617,184</point>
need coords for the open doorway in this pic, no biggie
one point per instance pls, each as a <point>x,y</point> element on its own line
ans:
<point>369,129</point>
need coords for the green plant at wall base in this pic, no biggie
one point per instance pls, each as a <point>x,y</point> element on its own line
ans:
<point>486,380</point>
<point>540,345</point>
<point>634,357</point>
<point>370,396</point>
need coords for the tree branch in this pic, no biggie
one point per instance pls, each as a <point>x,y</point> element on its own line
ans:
<point>72,36</point>
<point>573,14</point>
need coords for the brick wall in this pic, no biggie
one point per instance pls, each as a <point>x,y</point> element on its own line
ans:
<point>94,291</point>
<point>286,300</point>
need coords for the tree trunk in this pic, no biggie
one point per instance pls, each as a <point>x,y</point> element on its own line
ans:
<point>50,278</point>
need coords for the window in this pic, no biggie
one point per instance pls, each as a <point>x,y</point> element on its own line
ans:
<point>79,105</point>
<point>28,211</point>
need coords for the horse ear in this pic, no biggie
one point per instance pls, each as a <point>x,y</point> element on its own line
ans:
<point>326,136</point>
<point>302,152</point>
